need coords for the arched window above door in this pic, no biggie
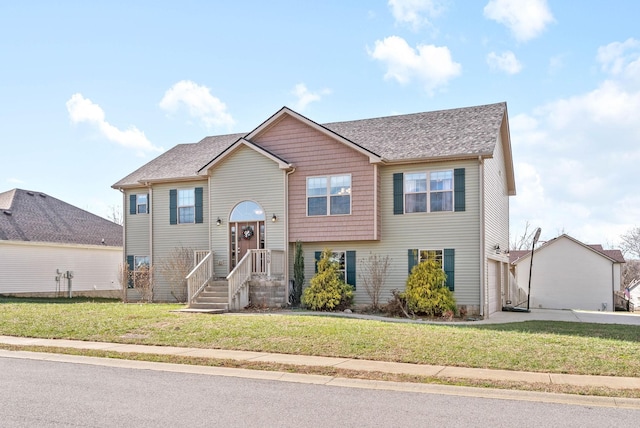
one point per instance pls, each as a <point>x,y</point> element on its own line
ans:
<point>247,211</point>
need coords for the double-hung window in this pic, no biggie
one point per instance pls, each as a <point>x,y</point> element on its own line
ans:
<point>138,270</point>
<point>141,204</point>
<point>329,195</point>
<point>186,206</point>
<point>428,191</point>
<point>431,255</point>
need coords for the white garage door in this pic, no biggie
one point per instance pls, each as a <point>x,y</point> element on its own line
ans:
<point>495,293</point>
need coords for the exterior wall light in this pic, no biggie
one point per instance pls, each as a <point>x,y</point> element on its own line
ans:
<point>274,218</point>
<point>218,222</point>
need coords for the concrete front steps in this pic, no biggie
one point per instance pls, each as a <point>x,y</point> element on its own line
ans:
<point>213,299</point>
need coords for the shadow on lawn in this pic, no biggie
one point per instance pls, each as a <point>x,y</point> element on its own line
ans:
<point>627,333</point>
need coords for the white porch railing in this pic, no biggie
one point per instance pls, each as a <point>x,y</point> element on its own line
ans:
<point>267,262</point>
<point>199,277</point>
<point>254,262</point>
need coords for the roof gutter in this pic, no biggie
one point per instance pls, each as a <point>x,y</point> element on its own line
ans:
<point>438,159</point>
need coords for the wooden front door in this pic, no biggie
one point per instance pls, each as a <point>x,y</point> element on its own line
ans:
<point>245,236</point>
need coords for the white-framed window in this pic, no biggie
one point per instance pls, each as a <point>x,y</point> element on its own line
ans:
<point>139,267</point>
<point>186,206</point>
<point>339,257</point>
<point>431,255</point>
<point>141,203</point>
<point>428,191</point>
<point>330,195</point>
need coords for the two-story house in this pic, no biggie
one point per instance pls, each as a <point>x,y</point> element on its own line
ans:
<point>400,186</point>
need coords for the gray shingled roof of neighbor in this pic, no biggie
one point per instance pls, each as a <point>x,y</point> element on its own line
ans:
<point>460,132</point>
<point>36,217</point>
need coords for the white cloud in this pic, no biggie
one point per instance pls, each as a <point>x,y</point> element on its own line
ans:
<point>199,103</point>
<point>84,110</point>
<point>14,180</point>
<point>429,64</point>
<point>621,59</point>
<point>582,152</point>
<point>506,62</point>
<point>416,13</point>
<point>526,19</point>
<point>304,97</point>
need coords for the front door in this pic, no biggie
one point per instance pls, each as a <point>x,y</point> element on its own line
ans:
<point>245,236</point>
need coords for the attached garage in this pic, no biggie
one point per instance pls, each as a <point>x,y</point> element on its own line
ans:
<point>494,286</point>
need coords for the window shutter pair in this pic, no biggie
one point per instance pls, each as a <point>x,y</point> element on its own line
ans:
<point>458,191</point>
<point>350,259</point>
<point>133,204</point>
<point>448,262</point>
<point>173,205</point>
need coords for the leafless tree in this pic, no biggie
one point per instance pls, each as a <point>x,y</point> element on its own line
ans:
<point>124,278</point>
<point>523,242</point>
<point>115,214</point>
<point>630,244</point>
<point>175,267</point>
<point>143,282</point>
<point>630,272</point>
<point>373,273</point>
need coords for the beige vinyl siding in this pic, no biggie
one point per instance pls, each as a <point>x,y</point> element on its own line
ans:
<point>136,227</point>
<point>30,267</point>
<point>167,236</point>
<point>314,154</point>
<point>246,175</point>
<point>440,230</point>
<point>496,213</point>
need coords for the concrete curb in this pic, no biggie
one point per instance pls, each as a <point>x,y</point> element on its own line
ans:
<point>613,382</point>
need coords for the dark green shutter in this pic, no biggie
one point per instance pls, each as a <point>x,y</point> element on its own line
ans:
<point>449,266</point>
<point>132,204</point>
<point>413,259</point>
<point>317,255</point>
<point>148,204</point>
<point>198,194</point>
<point>351,268</point>
<point>458,186</point>
<point>173,206</point>
<point>131,269</point>
<point>398,193</point>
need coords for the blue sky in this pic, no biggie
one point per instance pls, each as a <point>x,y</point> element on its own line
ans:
<point>90,91</point>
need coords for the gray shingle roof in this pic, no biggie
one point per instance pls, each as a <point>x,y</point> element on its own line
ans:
<point>445,133</point>
<point>461,132</point>
<point>36,217</point>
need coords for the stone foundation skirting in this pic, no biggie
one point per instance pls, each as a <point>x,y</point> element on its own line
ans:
<point>267,293</point>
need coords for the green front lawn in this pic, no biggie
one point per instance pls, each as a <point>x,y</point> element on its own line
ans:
<point>558,347</point>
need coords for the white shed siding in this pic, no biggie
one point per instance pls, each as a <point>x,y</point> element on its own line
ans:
<point>566,275</point>
<point>246,175</point>
<point>30,267</point>
<point>167,236</point>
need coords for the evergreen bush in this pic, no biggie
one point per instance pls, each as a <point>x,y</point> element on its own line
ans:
<point>426,292</point>
<point>327,290</point>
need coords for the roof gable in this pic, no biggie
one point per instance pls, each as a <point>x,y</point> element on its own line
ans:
<point>285,111</point>
<point>242,142</point>
<point>614,256</point>
<point>37,217</point>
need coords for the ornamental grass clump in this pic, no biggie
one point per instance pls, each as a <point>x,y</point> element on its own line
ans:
<point>327,290</point>
<point>426,292</point>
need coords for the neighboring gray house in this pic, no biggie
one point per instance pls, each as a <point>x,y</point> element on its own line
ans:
<point>400,186</point>
<point>568,274</point>
<point>44,242</point>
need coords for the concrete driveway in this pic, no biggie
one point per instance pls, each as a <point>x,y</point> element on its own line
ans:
<point>571,315</point>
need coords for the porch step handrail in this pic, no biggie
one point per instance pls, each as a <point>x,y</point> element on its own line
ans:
<point>238,280</point>
<point>267,262</point>
<point>199,277</point>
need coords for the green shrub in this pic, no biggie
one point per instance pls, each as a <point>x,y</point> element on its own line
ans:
<point>327,291</point>
<point>426,292</point>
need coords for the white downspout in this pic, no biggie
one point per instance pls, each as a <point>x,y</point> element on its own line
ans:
<point>375,201</point>
<point>150,208</point>
<point>482,232</point>
<point>124,243</point>
<point>286,232</point>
